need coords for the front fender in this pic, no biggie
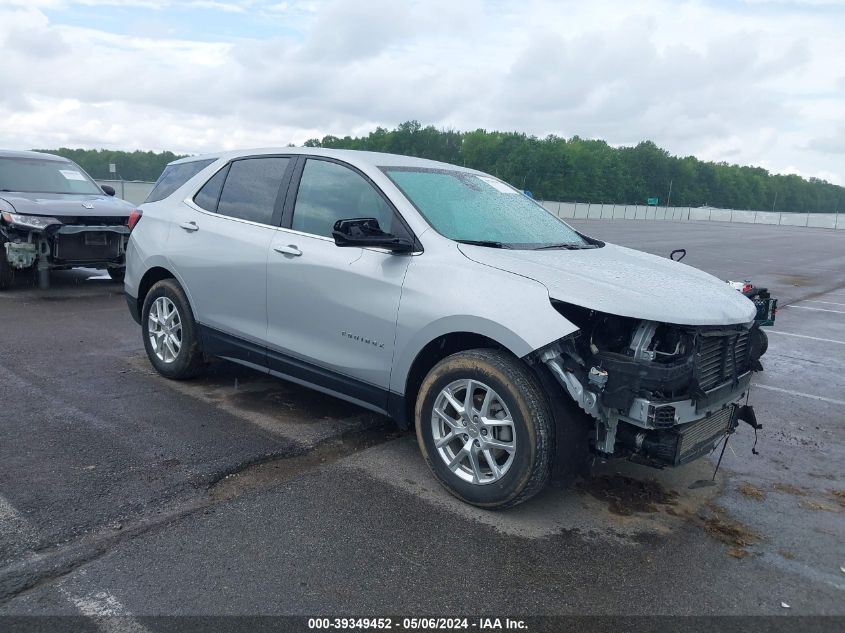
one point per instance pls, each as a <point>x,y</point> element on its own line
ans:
<point>439,299</point>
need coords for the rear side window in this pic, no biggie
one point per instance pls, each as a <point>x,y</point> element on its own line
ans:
<point>251,188</point>
<point>174,176</point>
<point>208,196</point>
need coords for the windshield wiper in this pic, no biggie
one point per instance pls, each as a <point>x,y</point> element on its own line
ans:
<point>570,246</point>
<point>487,243</point>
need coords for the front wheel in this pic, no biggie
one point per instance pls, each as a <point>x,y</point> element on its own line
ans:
<point>117,274</point>
<point>485,429</point>
<point>170,332</point>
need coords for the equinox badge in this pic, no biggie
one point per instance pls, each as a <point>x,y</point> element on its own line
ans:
<point>362,339</point>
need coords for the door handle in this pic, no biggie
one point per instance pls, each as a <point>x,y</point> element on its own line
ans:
<point>190,226</point>
<point>290,249</point>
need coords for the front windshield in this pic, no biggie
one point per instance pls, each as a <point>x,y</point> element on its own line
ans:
<point>468,207</point>
<point>35,175</point>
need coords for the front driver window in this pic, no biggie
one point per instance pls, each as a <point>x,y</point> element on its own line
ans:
<point>329,192</point>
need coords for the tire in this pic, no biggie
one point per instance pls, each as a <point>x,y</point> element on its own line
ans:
<point>7,273</point>
<point>520,416</point>
<point>117,274</point>
<point>177,362</point>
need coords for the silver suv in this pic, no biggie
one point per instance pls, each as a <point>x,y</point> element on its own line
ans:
<point>440,296</point>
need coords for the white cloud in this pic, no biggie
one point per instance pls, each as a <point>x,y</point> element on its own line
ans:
<point>751,82</point>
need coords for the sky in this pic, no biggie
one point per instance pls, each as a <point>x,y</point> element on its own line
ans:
<point>753,82</point>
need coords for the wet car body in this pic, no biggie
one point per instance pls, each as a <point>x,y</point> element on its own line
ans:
<point>443,297</point>
<point>53,216</point>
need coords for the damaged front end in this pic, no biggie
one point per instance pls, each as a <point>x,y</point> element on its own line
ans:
<point>49,243</point>
<point>660,393</point>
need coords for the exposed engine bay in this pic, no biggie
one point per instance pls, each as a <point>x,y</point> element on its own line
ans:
<point>659,393</point>
<point>51,243</point>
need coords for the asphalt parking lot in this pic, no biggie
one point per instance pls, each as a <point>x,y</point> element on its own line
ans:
<point>122,493</point>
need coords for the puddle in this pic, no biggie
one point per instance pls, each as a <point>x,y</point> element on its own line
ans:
<point>796,280</point>
<point>301,403</point>
<point>626,496</point>
<point>278,469</point>
<point>304,416</point>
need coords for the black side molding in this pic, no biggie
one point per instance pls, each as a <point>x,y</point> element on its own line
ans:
<point>132,304</point>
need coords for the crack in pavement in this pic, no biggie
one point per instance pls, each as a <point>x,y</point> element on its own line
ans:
<point>45,566</point>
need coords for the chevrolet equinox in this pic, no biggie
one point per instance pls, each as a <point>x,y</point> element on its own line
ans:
<point>441,296</point>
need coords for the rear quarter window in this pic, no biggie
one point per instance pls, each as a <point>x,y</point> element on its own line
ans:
<point>174,176</point>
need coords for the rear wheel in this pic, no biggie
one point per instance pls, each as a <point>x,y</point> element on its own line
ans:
<point>485,429</point>
<point>170,332</point>
<point>117,274</point>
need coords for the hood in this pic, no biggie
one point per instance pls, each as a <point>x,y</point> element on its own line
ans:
<point>625,282</point>
<point>67,204</point>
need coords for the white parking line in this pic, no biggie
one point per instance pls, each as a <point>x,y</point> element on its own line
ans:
<point>12,522</point>
<point>8,514</point>
<point>791,392</point>
<point>813,338</point>
<point>827,302</point>
<point>817,309</point>
<point>110,615</point>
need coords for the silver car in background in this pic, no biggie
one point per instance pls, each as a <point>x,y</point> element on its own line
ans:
<point>516,346</point>
<point>53,216</point>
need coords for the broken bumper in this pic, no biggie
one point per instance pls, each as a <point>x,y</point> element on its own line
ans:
<point>89,244</point>
<point>679,444</point>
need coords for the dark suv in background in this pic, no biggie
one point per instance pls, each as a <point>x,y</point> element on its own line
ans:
<point>53,216</point>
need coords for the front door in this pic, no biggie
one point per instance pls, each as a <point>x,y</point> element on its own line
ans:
<point>332,310</point>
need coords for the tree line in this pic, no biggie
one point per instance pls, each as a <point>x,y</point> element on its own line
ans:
<point>135,165</point>
<point>555,168</point>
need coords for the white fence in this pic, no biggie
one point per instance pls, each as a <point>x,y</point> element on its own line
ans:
<point>584,210</point>
<point>134,191</point>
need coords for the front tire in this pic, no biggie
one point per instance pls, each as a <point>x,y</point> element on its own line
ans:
<point>485,429</point>
<point>117,274</point>
<point>170,332</point>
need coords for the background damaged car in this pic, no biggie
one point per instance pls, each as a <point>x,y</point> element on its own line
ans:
<point>53,216</point>
<point>441,296</point>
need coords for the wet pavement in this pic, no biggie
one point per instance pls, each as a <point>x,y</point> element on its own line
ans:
<point>124,493</point>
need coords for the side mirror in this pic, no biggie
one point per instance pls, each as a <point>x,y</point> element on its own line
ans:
<point>365,232</point>
<point>107,189</point>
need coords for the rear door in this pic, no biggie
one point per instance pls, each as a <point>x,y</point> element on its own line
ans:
<point>218,246</point>
<point>331,310</point>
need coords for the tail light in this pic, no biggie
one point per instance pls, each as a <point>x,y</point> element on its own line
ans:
<point>133,219</point>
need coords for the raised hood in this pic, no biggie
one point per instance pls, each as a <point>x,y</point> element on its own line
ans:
<point>625,282</point>
<point>66,204</point>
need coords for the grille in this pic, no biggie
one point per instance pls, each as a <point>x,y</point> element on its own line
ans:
<point>89,246</point>
<point>698,437</point>
<point>721,358</point>
<point>116,220</point>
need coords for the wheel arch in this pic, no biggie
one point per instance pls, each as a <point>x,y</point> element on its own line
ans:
<point>436,349</point>
<point>150,278</point>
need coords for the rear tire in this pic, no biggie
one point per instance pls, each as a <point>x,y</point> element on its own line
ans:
<point>170,332</point>
<point>117,274</point>
<point>499,454</point>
